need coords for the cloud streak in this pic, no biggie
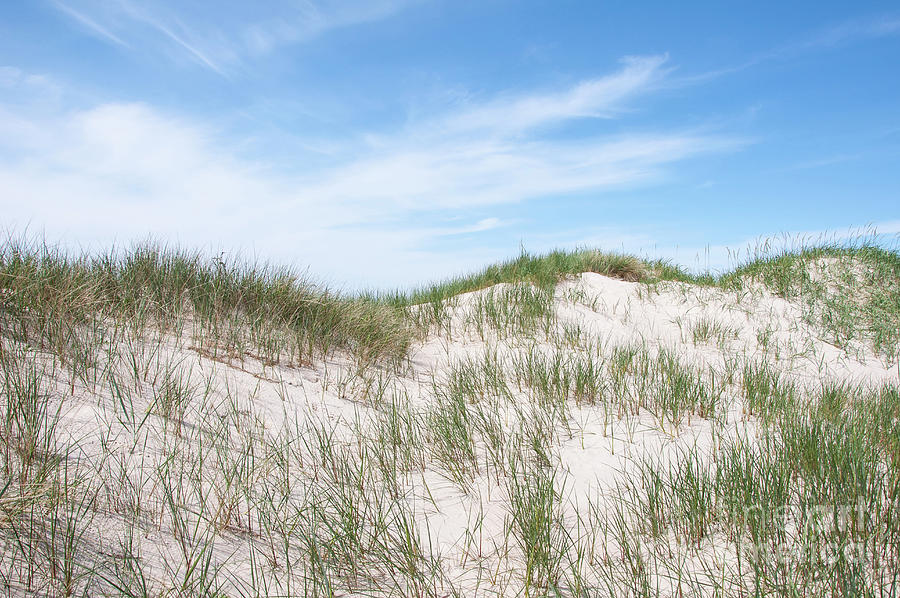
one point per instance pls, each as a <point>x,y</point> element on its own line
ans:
<point>603,97</point>
<point>308,20</point>
<point>215,36</point>
<point>499,151</point>
<point>90,24</point>
<point>848,32</point>
<point>120,171</point>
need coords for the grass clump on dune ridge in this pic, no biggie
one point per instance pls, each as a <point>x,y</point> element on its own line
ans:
<point>543,271</point>
<point>850,291</point>
<point>427,307</point>
<point>47,293</point>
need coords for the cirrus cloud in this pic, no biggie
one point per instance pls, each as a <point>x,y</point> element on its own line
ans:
<point>121,171</point>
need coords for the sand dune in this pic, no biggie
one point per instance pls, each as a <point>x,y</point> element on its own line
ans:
<point>582,439</point>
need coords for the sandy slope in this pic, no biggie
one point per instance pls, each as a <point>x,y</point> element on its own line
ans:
<point>465,527</point>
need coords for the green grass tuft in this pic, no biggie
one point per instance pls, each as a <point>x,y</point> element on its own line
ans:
<point>47,294</point>
<point>542,271</point>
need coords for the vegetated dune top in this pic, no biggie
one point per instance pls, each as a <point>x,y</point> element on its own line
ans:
<point>561,423</point>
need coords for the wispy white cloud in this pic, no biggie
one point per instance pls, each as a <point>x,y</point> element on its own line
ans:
<point>484,172</point>
<point>201,56</point>
<point>307,20</point>
<point>847,32</point>
<point>602,97</point>
<point>495,152</point>
<point>481,226</point>
<point>821,162</point>
<point>90,24</point>
<point>122,171</point>
<point>13,78</point>
<point>213,35</point>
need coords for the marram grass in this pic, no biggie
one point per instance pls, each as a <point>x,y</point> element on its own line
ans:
<point>123,433</point>
<point>45,292</point>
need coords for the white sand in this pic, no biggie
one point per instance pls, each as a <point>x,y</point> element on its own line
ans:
<point>593,457</point>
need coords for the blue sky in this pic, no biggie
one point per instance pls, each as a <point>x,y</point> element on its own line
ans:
<point>390,142</point>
